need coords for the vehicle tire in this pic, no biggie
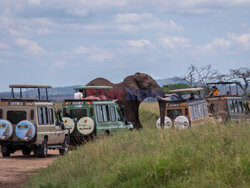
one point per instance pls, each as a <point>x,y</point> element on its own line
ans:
<point>26,152</point>
<point>65,146</point>
<point>224,116</point>
<point>5,151</point>
<point>43,149</point>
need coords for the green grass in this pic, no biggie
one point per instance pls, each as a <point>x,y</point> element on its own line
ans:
<point>203,156</point>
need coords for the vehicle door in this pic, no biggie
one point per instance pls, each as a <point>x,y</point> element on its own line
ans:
<point>45,128</point>
<point>115,117</point>
<point>59,132</point>
<point>103,118</point>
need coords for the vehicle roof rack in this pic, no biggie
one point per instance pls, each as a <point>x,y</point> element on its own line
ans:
<point>186,90</point>
<point>27,86</point>
<point>225,83</point>
<point>86,100</point>
<point>93,87</point>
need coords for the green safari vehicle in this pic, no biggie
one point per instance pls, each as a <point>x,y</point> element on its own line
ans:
<point>90,115</point>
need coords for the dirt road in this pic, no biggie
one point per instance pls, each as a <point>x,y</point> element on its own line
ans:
<point>15,171</point>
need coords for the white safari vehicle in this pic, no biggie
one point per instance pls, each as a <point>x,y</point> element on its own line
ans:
<point>185,108</point>
<point>31,124</point>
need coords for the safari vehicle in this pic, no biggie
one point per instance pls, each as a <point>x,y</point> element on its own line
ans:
<point>91,116</point>
<point>184,109</point>
<point>31,124</point>
<point>228,105</point>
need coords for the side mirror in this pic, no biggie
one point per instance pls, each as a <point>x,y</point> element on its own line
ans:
<point>59,111</point>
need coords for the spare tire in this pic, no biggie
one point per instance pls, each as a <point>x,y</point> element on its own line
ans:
<point>25,130</point>
<point>86,126</point>
<point>167,123</point>
<point>69,124</point>
<point>181,122</point>
<point>6,130</point>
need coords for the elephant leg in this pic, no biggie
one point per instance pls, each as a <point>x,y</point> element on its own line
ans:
<point>132,113</point>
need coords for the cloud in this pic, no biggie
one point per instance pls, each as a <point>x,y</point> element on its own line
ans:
<point>198,11</point>
<point>138,43</point>
<point>85,7</point>
<point>77,12</point>
<point>58,65</point>
<point>243,40</point>
<point>93,54</point>
<point>34,2</point>
<point>133,18</point>
<point>29,46</point>
<point>212,48</point>
<point>134,22</point>
<point>4,46</point>
<point>173,42</point>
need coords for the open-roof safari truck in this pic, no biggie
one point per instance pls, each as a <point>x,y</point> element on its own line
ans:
<point>91,113</point>
<point>185,108</point>
<point>228,104</point>
<point>31,124</point>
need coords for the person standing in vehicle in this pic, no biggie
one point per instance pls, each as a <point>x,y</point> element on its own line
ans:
<point>191,96</point>
<point>215,92</point>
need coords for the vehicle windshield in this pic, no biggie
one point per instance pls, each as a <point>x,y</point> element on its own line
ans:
<point>172,114</point>
<point>77,114</point>
<point>16,116</point>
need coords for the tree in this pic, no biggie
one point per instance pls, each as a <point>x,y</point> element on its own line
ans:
<point>191,76</point>
<point>243,74</point>
<point>200,76</point>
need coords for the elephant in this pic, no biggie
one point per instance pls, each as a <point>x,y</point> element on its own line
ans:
<point>134,88</point>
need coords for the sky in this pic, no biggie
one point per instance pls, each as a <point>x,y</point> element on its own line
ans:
<point>71,42</point>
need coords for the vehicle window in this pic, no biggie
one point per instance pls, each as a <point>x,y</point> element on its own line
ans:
<point>172,114</point>
<point>193,112</point>
<point>235,106</point>
<point>199,111</point>
<point>1,113</point>
<point>77,114</point>
<point>119,115</point>
<point>112,113</point>
<point>231,106</point>
<point>16,116</point>
<point>32,114</point>
<point>42,113</point>
<point>51,116</point>
<point>196,112</point>
<point>241,107</point>
<point>105,112</point>
<point>204,108</point>
<point>99,113</point>
<point>45,116</point>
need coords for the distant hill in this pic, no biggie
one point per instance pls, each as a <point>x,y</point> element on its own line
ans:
<point>173,80</point>
<point>58,94</point>
<point>55,94</point>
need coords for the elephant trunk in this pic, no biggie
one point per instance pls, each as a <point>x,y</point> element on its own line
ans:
<point>162,105</point>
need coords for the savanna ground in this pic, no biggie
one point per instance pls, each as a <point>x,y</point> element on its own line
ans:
<point>211,155</point>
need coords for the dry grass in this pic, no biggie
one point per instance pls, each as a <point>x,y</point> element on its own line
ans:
<point>152,107</point>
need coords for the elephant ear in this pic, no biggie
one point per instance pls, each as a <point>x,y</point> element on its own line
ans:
<point>131,86</point>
